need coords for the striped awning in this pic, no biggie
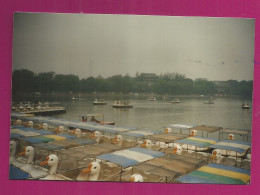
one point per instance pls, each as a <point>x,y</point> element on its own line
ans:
<point>131,156</point>
<point>232,145</point>
<point>182,126</point>
<point>217,174</point>
<point>48,138</point>
<point>197,141</point>
<point>143,133</point>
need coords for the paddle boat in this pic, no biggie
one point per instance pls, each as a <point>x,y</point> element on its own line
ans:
<point>151,99</point>
<point>119,104</point>
<point>99,102</point>
<point>245,106</point>
<point>176,101</point>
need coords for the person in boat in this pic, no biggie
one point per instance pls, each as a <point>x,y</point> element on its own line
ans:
<point>94,120</point>
<point>84,119</point>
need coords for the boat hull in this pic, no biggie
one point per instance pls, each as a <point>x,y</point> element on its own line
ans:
<point>122,106</point>
<point>100,103</point>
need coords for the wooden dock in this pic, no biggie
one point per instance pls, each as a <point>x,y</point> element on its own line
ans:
<point>46,111</point>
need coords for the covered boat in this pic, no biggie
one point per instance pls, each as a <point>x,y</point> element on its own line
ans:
<point>119,104</point>
<point>217,174</point>
<point>99,102</point>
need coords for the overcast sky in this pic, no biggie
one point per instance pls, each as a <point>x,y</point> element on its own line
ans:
<point>106,45</point>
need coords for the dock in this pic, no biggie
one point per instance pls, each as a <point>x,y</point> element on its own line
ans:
<point>46,111</point>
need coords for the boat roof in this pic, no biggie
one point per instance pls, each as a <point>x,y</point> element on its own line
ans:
<point>209,129</point>
<point>90,150</point>
<point>16,173</point>
<point>232,145</point>
<point>64,144</point>
<point>79,124</point>
<point>237,131</point>
<point>169,137</point>
<point>95,115</point>
<point>130,156</point>
<point>28,129</point>
<point>197,141</point>
<point>47,138</point>
<point>182,126</point>
<point>140,133</point>
<point>171,165</point>
<point>217,174</point>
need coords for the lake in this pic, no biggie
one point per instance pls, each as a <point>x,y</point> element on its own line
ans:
<point>157,115</point>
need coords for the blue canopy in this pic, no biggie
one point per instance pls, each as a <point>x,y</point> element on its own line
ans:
<point>232,145</point>
<point>130,156</point>
<point>16,173</point>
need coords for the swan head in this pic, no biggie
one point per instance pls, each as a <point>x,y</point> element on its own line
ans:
<point>117,139</point>
<point>93,168</point>
<point>50,160</point>
<point>231,136</point>
<point>77,132</point>
<point>29,124</point>
<point>18,122</point>
<point>27,151</point>
<point>177,149</point>
<point>168,130</point>
<point>147,144</point>
<point>216,154</point>
<point>136,178</point>
<point>12,145</point>
<point>95,134</point>
<point>59,129</point>
<point>44,126</point>
<point>194,133</point>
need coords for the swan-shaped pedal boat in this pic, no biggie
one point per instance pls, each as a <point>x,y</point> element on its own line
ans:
<point>52,161</point>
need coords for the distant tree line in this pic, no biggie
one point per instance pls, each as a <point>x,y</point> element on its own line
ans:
<point>24,81</point>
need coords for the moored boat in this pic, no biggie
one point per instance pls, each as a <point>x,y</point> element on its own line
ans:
<point>245,106</point>
<point>151,99</point>
<point>118,104</point>
<point>176,101</point>
<point>99,102</point>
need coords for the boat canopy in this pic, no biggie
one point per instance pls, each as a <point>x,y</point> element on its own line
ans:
<point>197,141</point>
<point>90,150</point>
<point>209,129</point>
<point>182,126</point>
<point>47,138</point>
<point>28,129</point>
<point>78,124</point>
<point>16,173</point>
<point>131,156</point>
<point>217,174</point>
<point>232,145</point>
<point>171,166</point>
<point>140,133</point>
<point>64,144</point>
<point>168,138</point>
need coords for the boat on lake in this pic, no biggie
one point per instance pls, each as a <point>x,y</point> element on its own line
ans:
<point>245,106</point>
<point>119,104</point>
<point>210,101</point>
<point>74,98</point>
<point>93,119</point>
<point>151,99</point>
<point>99,102</point>
<point>176,101</point>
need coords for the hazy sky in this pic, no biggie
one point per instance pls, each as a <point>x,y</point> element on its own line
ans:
<point>106,45</point>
